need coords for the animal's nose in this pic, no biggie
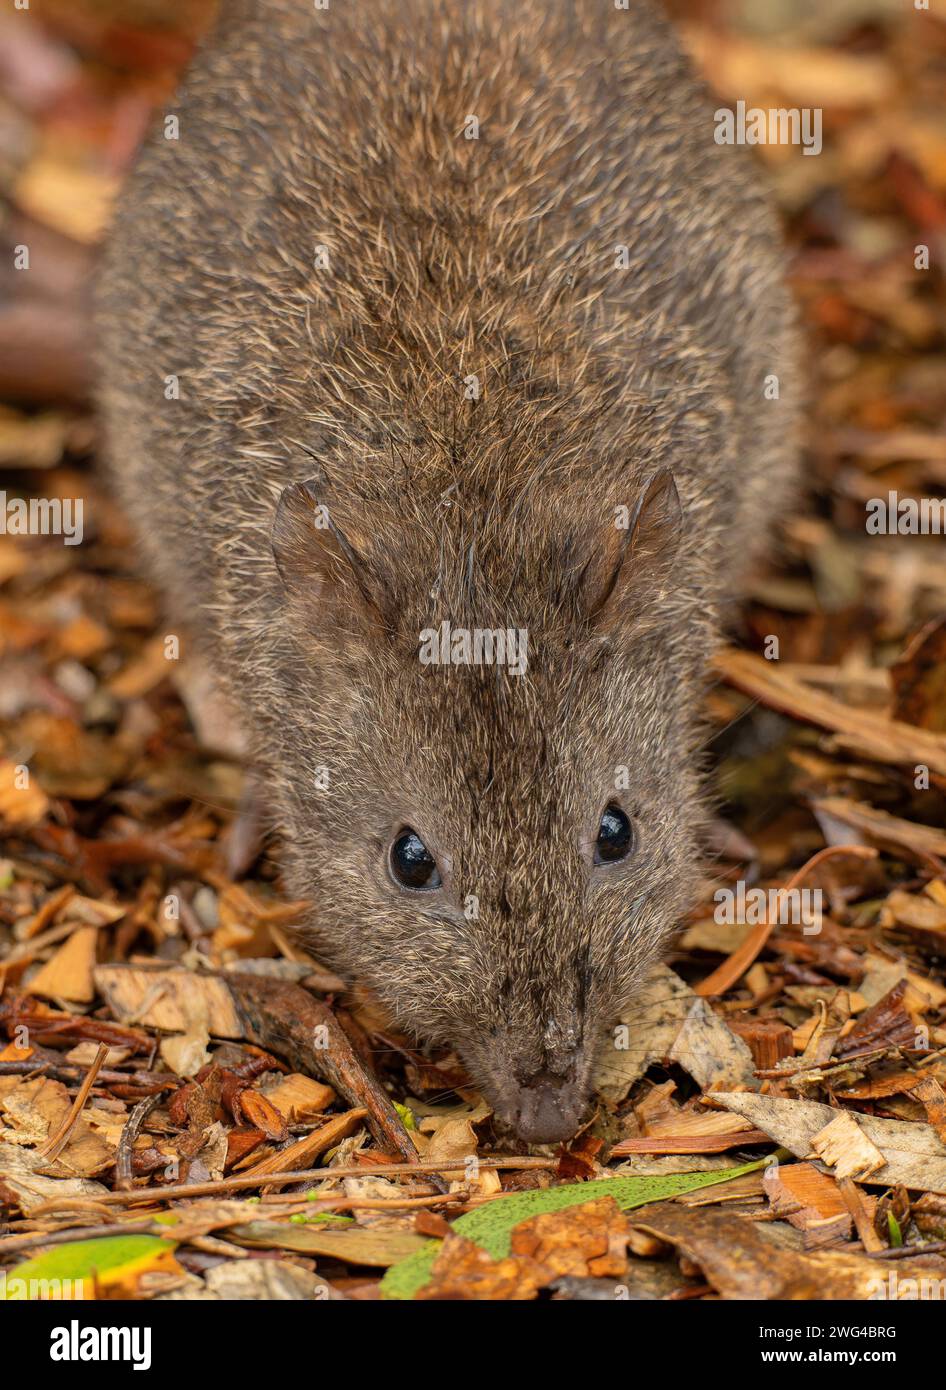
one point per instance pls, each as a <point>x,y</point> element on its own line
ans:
<point>549,1108</point>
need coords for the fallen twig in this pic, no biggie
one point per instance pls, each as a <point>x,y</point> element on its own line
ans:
<point>58,1141</point>
<point>368,1170</point>
<point>287,1019</point>
<point>124,1175</point>
<point>873,734</point>
<point>690,1144</point>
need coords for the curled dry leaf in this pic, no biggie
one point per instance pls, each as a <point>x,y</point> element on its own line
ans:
<point>913,1154</point>
<point>735,1257</point>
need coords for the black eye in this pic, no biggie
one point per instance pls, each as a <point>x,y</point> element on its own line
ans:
<point>412,863</point>
<point>615,836</point>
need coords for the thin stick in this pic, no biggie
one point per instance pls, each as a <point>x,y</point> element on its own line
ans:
<point>886,740</point>
<point>436,1199</point>
<point>902,1252</point>
<point>124,1175</point>
<point>373,1170</point>
<point>69,1071</point>
<point>15,1244</point>
<point>54,1146</point>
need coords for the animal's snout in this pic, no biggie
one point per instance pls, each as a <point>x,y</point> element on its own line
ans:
<point>548,1108</point>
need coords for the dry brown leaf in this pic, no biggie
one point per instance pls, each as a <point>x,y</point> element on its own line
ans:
<point>804,1196</point>
<point>35,1110</point>
<point>913,1154</point>
<point>846,1148</point>
<point>930,1094</point>
<point>65,196</point>
<point>646,1036</point>
<point>23,1185</point>
<point>919,679</point>
<point>917,910</point>
<point>68,975</point>
<point>869,733</point>
<point>882,827</point>
<point>737,1260</point>
<point>670,1022</point>
<point>587,1241</point>
<point>454,1140</point>
<point>186,1053</point>
<point>711,1052</point>
<point>751,70</point>
<point>463,1270</point>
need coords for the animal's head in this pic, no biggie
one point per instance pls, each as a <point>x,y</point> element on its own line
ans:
<point>488,785</point>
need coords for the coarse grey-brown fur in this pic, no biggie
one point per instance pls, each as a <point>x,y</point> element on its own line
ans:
<point>443,337</point>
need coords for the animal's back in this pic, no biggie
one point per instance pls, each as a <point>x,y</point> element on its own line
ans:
<point>476,265</point>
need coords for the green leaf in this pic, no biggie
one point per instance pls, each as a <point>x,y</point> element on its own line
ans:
<point>406,1114</point>
<point>74,1269</point>
<point>893,1226</point>
<point>323,1217</point>
<point>491,1225</point>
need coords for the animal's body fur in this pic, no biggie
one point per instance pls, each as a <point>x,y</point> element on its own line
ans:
<point>450,258</point>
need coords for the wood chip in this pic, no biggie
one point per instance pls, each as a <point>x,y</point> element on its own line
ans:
<point>802,1195</point>
<point>768,1039</point>
<point>304,1152</point>
<point>298,1098</point>
<point>862,1212</point>
<point>69,974</point>
<point>690,1143</point>
<point>168,999</point>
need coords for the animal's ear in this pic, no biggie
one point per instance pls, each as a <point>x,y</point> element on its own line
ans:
<point>320,567</point>
<point>633,561</point>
